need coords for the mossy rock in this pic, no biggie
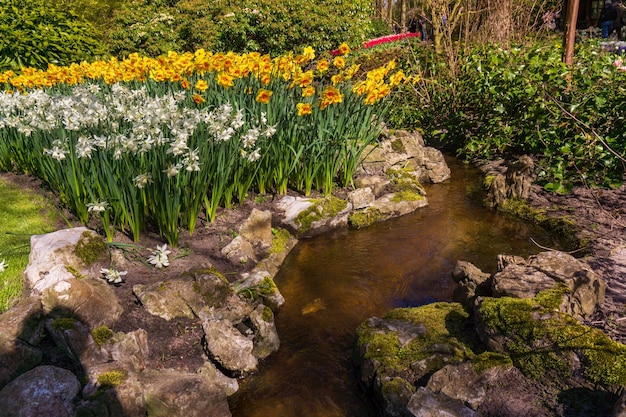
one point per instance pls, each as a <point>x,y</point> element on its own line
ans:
<point>280,239</point>
<point>413,342</point>
<point>563,226</point>
<point>322,208</point>
<point>90,248</point>
<point>405,180</point>
<point>101,334</point>
<point>363,218</point>
<point>545,343</point>
<point>111,379</point>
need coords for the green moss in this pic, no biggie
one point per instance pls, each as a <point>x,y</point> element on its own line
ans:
<point>397,146</point>
<point>563,226</point>
<point>446,338</point>
<point>407,195</point>
<point>64,323</point>
<point>488,360</point>
<point>488,181</point>
<point>268,314</point>
<point>551,299</point>
<point>404,179</point>
<point>111,379</point>
<point>90,248</point>
<point>267,287</point>
<point>280,238</point>
<point>398,388</point>
<point>101,334</point>
<point>364,218</point>
<point>541,341</point>
<point>74,271</point>
<point>327,207</point>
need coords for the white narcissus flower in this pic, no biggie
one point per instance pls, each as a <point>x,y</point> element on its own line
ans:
<point>97,207</point>
<point>113,275</point>
<point>3,266</point>
<point>159,257</point>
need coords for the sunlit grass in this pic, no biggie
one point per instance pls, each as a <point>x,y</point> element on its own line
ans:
<point>22,214</point>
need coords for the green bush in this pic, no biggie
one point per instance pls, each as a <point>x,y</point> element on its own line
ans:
<point>33,33</point>
<point>524,100</point>
<point>153,27</point>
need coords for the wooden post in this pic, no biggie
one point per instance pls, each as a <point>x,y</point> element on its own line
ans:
<point>570,31</point>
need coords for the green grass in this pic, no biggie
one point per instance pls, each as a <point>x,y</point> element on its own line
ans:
<point>22,213</point>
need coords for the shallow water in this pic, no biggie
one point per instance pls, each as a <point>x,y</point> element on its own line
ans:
<point>334,282</point>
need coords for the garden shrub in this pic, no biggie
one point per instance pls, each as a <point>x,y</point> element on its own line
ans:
<point>524,100</point>
<point>153,27</point>
<point>34,33</point>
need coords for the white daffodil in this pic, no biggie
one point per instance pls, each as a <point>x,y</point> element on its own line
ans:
<point>3,266</point>
<point>159,257</point>
<point>172,170</point>
<point>113,275</point>
<point>142,180</point>
<point>97,207</point>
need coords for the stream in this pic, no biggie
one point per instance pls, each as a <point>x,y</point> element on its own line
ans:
<point>334,282</point>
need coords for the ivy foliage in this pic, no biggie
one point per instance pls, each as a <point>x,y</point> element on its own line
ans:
<point>153,27</point>
<point>504,102</point>
<point>34,33</point>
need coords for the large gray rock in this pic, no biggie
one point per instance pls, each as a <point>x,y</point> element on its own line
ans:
<point>472,282</point>
<point>266,339</point>
<point>584,289</point>
<point>239,251</point>
<point>216,377</point>
<point>425,403</point>
<point>45,391</point>
<point>92,300</point>
<point>50,254</point>
<point>374,182</point>
<point>405,149</point>
<point>514,182</point>
<point>22,329</point>
<point>169,393</point>
<point>229,347</point>
<point>259,284</point>
<point>257,228</point>
<point>459,381</point>
<point>167,299</point>
<point>361,198</point>
<point>390,206</point>
<point>313,216</point>
<point>201,293</point>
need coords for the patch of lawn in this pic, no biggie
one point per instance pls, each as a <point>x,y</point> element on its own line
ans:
<point>23,213</point>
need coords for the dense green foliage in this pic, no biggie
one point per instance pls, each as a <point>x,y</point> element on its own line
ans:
<point>507,102</point>
<point>34,33</point>
<point>153,27</point>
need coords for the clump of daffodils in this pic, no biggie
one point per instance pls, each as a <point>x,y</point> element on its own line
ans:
<point>3,266</point>
<point>159,257</point>
<point>113,275</point>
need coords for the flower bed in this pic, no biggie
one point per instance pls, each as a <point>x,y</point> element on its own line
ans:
<point>167,138</point>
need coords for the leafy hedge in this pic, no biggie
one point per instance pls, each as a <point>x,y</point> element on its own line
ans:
<point>34,33</point>
<point>153,27</point>
<point>507,102</point>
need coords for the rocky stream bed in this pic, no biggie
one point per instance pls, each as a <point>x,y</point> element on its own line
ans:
<point>174,341</point>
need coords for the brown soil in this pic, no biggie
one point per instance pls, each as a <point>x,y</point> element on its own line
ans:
<point>175,344</point>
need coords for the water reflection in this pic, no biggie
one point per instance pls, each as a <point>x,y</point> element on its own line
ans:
<point>333,283</point>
